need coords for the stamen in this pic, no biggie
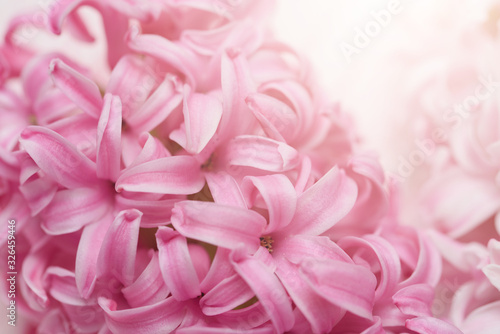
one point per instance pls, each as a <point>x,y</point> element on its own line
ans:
<point>267,242</point>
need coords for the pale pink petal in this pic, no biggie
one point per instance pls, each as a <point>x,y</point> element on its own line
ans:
<point>80,316</point>
<point>54,322</point>
<point>278,194</point>
<point>252,316</point>
<point>321,206</point>
<point>383,257</point>
<point>215,224</point>
<point>116,25</point>
<point>87,253</point>
<point>78,88</point>
<point>38,193</point>
<point>424,325</point>
<point>149,288</point>
<point>51,106</point>
<point>352,289</point>
<point>58,13</point>
<point>166,51</point>
<point>320,313</point>
<point>155,212</point>
<point>261,153</point>
<point>133,79</point>
<point>109,131</point>
<point>267,288</point>
<point>202,114</point>
<point>165,99</point>
<point>220,269</point>
<point>415,300</point>
<point>176,265</point>
<point>117,255</point>
<point>277,119</point>
<point>152,149</point>
<point>58,158</point>
<point>201,260</point>
<point>71,209</point>
<point>162,317</point>
<point>179,175</point>
<point>453,213</point>
<point>237,84</point>
<point>224,189</point>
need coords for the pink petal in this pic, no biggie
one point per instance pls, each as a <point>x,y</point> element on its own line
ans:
<point>72,209</point>
<point>321,206</point>
<point>87,254</point>
<point>165,99</point>
<point>424,325</point>
<point>202,114</point>
<point>277,119</point>
<point>446,203</point>
<point>155,212</point>
<point>237,84</point>
<point>162,317</point>
<point>176,265</point>
<point>215,224</point>
<point>415,300</point>
<point>152,149</point>
<point>62,286</point>
<point>109,132</point>
<point>262,153</point>
<point>224,189</point>
<point>167,51</point>
<point>118,251</point>
<point>58,158</point>
<point>267,288</point>
<point>386,259</point>
<point>220,269</point>
<point>78,88</point>
<point>58,13</point>
<point>38,193</point>
<point>230,293</point>
<point>352,289</point>
<point>179,175</point>
<point>278,194</point>
<point>149,288</point>
<point>320,313</point>
<point>133,79</point>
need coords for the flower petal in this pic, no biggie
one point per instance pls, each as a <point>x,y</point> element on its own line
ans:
<point>71,209</point>
<point>230,293</point>
<point>149,288</point>
<point>261,153</point>
<point>109,131</point>
<point>78,88</point>
<point>165,99</point>
<point>202,114</point>
<point>58,158</point>
<point>321,206</point>
<point>162,317</point>
<point>215,224</point>
<point>117,255</point>
<point>415,300</point>
<point>278,194</point>
<point>178,175</point>
<point>224,189</point>
<point>87,254</point>
<point>424,325</point>
<point>267,288</point>
<point>176,265</point>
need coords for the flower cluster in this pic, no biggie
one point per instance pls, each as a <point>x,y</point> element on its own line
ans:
<point>203,183</point>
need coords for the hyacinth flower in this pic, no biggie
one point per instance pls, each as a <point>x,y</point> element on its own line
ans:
<point>203,183</point>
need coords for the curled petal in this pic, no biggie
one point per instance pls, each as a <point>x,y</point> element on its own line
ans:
<point>321,206</point>
<point>415,300</point>
<point>262,153</point>
<point>278,194</point>
<point>117,255</point>
<point>78,88</point>
<point>149,288</point>
<point>109,131</point>
<point>58,158</point>
<point>71,209</point>
<point>215,224</point>
<point>267,288</point>
<point>224,189</point>
<point>176,265</point>
<point>178,175</point>
<point>424,325</point>
<point>225,296</point>
<point>162,317</point>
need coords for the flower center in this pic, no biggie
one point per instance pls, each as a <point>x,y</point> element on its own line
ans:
<point>267,242</point>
